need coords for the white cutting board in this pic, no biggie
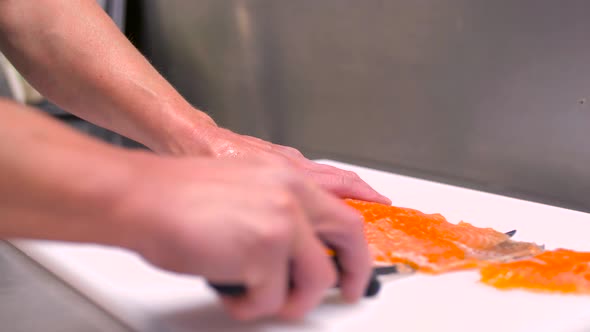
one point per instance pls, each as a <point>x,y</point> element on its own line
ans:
<point>151,300</point>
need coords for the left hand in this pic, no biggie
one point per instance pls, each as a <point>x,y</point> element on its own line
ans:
<point>344,184</point>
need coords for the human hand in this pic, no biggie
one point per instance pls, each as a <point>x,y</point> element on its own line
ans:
<point>250,223</point>
<point>225,144</point>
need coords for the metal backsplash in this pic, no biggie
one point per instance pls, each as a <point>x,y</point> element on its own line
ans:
<point>489,94</point>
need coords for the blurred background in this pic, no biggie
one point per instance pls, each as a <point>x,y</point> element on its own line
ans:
<point>490,95</point>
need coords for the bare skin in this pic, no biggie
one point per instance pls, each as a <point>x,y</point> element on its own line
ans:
<point>75,55</point>
<point>196,216</point>
<point>60,185</point>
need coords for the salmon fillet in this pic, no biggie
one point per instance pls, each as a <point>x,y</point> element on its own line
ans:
<point>429,243</point>
<point>560,270</point>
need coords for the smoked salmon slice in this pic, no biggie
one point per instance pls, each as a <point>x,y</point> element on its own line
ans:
<point>429,243</point>
<point>560,270</point>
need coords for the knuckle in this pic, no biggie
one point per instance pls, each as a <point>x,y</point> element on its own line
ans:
<point>266,146</point>
<point>294,152</point>
<point>274,235</point>
<point>283,203</point>
<point>287,177</point>
<point>348,217</point>
<point>352,228</point>
<point>354,221</point>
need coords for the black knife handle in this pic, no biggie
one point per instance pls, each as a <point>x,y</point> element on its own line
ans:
<point>373,287</point>
<point>229,290</point>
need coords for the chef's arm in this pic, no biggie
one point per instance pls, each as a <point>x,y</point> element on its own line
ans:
<point>56,183</point>
<point>75,55</point>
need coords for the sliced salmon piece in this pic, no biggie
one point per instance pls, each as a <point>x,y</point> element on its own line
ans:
<point>429,243</point>
<point>560,270</point>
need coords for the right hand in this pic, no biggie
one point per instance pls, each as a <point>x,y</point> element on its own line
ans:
<point>238,222</point>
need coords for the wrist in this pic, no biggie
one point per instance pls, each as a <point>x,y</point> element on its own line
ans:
<point>127,219</point>
<point>75,198</point>
<point>102,195</point>
<point>185,131</point>
<point>136,215</point>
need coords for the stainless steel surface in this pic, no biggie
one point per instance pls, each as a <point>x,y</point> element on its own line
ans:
<point>115,9</point>
<point>489,94</point>
<point>33,300</point>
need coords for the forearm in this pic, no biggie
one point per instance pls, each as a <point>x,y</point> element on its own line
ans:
<point>56,183</point>
<point>75,55</point>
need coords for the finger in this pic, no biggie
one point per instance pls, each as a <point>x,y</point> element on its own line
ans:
<point>258,143</point>
<point>356,267</point>
<point>267,276</point>
<point>344,184</point>
<point>266,297</point>
<point>346,237</point>
<point>341,228</point>
<point>312,274</point>
<point>263,300</point>
<point>290,152</point>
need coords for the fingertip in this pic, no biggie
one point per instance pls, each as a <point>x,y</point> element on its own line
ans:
<point>356,275</point>
<point>302,301</point>
<point>385,200</point>
<point>376,197</point>
<point>291,315</point>
<point>241,309</point>
<point>313,275</point>
<point>350,299</point>
<point>352,290</point>
<point>371,195</point>
<point>235,309</point>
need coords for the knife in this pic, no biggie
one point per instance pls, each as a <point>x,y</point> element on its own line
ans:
<point>379,275</point>
<point>373,287</point>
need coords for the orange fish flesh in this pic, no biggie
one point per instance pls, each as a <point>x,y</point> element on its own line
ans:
<point>429,243</point>
<point>560,270</point>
